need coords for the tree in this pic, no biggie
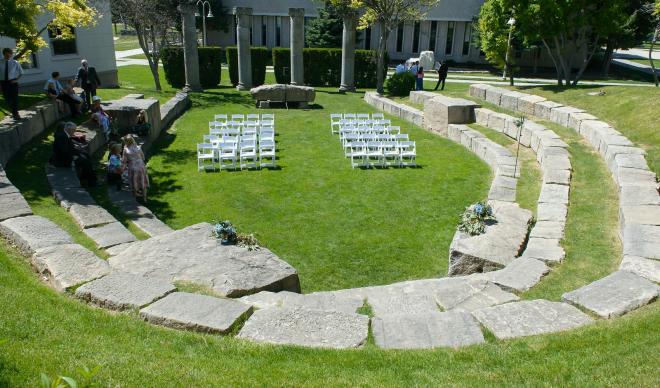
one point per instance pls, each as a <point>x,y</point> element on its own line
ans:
<point>493,33</point>
<point>151,20</point>
<point>656,35</point>
<point>387,14</point>
<point>326,30</point>
<point>19,20</point>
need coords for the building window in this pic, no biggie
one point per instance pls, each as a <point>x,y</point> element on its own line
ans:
<point>449,47</point>
<point>416,37</point>
<point>467,37</point>
<point>399,38</point>
<point>367,38</point>
<point>434,32</point>
<point>31,63</point>
<point>264,28</point>
<point>278,31</point>
<point>62,46</point>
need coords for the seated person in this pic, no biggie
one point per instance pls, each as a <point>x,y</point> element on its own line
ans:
<point>142,127</point>
<point>114,165</point>
<point>66,150</point>
<point>61,93</point>
<point>71,92</point>
<point>100,116</point>
<point>51,92</point>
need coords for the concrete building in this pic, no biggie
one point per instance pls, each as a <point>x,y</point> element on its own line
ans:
<point>446,30</point>
<point>94,44</point>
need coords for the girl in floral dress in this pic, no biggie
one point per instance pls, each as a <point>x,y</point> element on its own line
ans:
<point>133,162</point>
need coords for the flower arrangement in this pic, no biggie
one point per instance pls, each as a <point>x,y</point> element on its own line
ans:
<point>473,220</point>
<point>227,234</point>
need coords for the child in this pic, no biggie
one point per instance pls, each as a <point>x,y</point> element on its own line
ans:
<point>420,78</point>
<point>114,165</point>
<point>99,115</point>
<point>133,161</point>
<point>142,127</point>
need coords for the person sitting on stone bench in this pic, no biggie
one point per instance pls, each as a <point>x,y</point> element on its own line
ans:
<point>61,93</point>
<point>66,150</point>
<point>99,116</point>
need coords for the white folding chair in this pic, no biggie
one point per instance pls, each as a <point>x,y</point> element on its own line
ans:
<point>238,117</point>
<point>391,154</point>
<point>248,154</point>
<point>394,129</point>
<point>374,153</point>
<point>357,154</point>
<point>205,156</point>
<point>215,131</point>
<point>211,138</point>
<point>377,116</point>
<point>408,152</point>
<point>253,117</point>
<point>227,155</point>
<point>335,122</point>
<point>266,153</point>
<point>348,140</point>
<point>267,122</point>
<point>350,116</point>
<point>249,138</point>
<point>230,131</point>
<point>399,137</point>
<point>216,124</point>
<point>250,123</point>
<point>234,124</point>
<point>267,116</point>
<point>266,136</point>
<point>362,116</point>
<point>247,131</point>
<point>220,117</point>
<point>384,122</point>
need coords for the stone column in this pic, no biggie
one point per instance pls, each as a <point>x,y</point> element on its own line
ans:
<point>297,30</point>
<point>190,55</point>
<point>243,16</point>
<point>348,54</point>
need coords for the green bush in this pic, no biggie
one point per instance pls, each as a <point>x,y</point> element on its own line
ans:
<point>260,57</point>
<point>366,64</point>
<point>210,59</point>
<point>282,65</point>
<point>400,84</point>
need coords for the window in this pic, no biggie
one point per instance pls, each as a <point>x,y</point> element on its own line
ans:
<point>449,47</point>
<point>367,38</point>
<point>467,37</point>
<point>62,46</point>
<point>416,37</point>
<point>399,38</point>
<point>434,32</point>
<point>31,63</point>
<point>278,31</point>
<point>263,31</point>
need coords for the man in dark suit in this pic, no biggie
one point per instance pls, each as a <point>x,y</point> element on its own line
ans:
<point>89,80</point>
<point>443,69</point>
<point>66,151</point>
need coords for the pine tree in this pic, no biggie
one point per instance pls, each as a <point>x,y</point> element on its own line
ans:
<point>326,30</point>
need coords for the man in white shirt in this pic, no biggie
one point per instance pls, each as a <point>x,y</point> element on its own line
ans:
<point>10,72</point>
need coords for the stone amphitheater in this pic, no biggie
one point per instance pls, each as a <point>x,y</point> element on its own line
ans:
<point>259,294</point>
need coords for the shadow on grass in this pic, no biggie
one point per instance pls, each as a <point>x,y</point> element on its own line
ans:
<point>217,96</point>
<point>559,88</point>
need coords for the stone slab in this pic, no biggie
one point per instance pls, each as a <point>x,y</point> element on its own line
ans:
<point>68,196</point>
<point>520,275</point>
<point>302,327</point>
<point>494,95</point>
<point>614,295</point>
<point>642,214</point>
<point>33,232</point>
<point>551,212</point>
<point>560,114</point>
<point>6,187</point>
<point>426,331</point>
<point>635,196</point>
<point>88,216</point>
<point>59,177</point>
<point>123,291</point>
<point>13,205</point>
<point>109,235</point>
<point>479,90</point>
<point>543,109</point>
<point>548,229</point>
<point>468,294</point>
<point>557,176</point>
<point>182,310</point>
<point>509,100</point>
<point>551,193</point>
<point>525,318</point>
<point>69,265</point>
<point>326,301</point>
<point>575,119</point>
<point>641,266</point>
<point>544,249</point>
<point>192,254</point>
<point>441,111</point>
<point>151,225</point>
<point>526,104</point>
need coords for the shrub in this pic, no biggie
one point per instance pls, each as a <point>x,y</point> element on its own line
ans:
<point>400,84</point>
<point>473,220</point>
<point>210,59</point>
<point>281,65</point>
<point>366,64</point>
<point>260,58</point>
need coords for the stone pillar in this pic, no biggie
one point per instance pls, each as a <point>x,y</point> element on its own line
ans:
<point>190,55</point>
<point>243,16</point>
<point>348,54</point>
<point>297,30</point>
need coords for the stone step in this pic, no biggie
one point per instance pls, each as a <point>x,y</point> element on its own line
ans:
<point>427,330</point>
<point>520,275</point>
<point>181,310</point>
<point>326,301</point>
<point>646,268</point>
<point>614,295</point>
<point>69,265</point>
<point>123,291</point>
<point>13,205</point>
<point>109,235</point>
<point>33,232</point>
<point>6,187</point>
<point>525,318</point>
<point>151,225</point>
<point>88,216</point>
<point>303,327</point>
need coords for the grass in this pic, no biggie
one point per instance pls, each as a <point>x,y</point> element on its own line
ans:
<point>126,42</point>
<point>25,100</point>
<point>645,61</point>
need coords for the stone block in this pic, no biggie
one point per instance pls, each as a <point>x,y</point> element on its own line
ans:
<point>426,331</point>
<point>546,250</point>
<point>122,291</point>
<point>635,177</point>
<point>10,142</point>
<point>556,176</point>
<point>88,216</point>
<point>481,116</point>
<point>575,119</point>
<point>411,115</point>
<point>68,196</point>
<point>124,112</point>
<point>302,327</point>
<point>29,126</point>
<point>182,310</point>
<point>497,121</point>
<point>642,215</point>
<point>551,193</point>
<point>519,275</point>
<point>467,137</point>
<point>629,161</point>
<point>69,265</point>
<point>531,317</point>
<point>556,162</point>
<point>528,129</point>
<point>441,111</point>
<point>548,229</point>
<point>494,95</point>
<point>454,132</point>
<point>109,235</point>
<point>33,232</point>
<point>641,240</point>
<point>543,109</point>
<point>560,114</point>
<point>526,104</point>
<point>13,205</point>
<point>638,195</point>
<point>509,100</point>
<point>323,301</point>
<point>61,177</point>
<point>646,268</point>
<point>614,295</point>
<point>420,97</point>
<point>551,212</point>
<point>6,187</point>
<point>479,90</point>
<point>151,225</point>
<point>468,293</point>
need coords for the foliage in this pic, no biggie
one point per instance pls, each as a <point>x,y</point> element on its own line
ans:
<point>210,63</point>
<point>493,32</point>
<point>219,21</point>
<point>473,220</point>
<point>18,20</point>
<point>69,382</point>
<point>400,84</point>
<point>260,57</point>
<point>226,232</point>
<point>326,30</point>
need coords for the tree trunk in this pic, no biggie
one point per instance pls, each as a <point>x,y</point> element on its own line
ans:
<point>655,38</point>
<point>607,57</point>
<point>153,65</point>
<point>554,61</point>
<point>586,61</point>
<point>382,49</point>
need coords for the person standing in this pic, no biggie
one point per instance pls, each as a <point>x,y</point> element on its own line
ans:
<point>420,78</point>
<point>133,161</point>
<point>443,69</point>
<point>89,80</point>
<point>11,73</point>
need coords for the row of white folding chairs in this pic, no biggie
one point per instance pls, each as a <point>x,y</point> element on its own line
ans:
<point>363,116</point>
<point>241,124</point>
<point>239,138</point>
<point>242,117</point>
<point>230,131</point>
<point>226,155</point>
<point>391,129</point>
<point>388,153</point>
<point>351,137</point>
<point>335,126</point>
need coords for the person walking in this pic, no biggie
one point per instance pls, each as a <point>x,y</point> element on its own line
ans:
<point>89,80</point>
<point>420,78</point>
<point>11,73</point>
<point>443,69</point>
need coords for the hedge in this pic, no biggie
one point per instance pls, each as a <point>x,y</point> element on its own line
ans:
<point>210,59</point>
<point>260,58</point>
<point>322,67</point>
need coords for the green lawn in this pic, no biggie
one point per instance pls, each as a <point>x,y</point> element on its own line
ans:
<point>656,62</point>
<point>126,42</point>
<point>25,100</point>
